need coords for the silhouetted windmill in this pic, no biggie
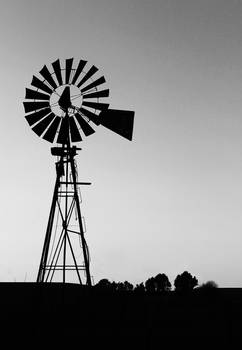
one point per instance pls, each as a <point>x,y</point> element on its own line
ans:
<point>63,107</point>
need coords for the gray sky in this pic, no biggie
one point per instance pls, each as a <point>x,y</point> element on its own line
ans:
<point>169,201</point>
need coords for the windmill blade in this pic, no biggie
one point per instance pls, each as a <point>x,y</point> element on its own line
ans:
<point>95,83</point>
<point>120,122</point>
<point>97,94</point>
<point>57,69</point>
<point>35,95</point>
<point>79,69</point>
<point>52,130</point>
<point>69,62</point>
<point>63,132</point>
<point>33,106</point>
<point>75,134</point>
<point>88,75</point>
<point>90,115</point>
<point>43,124</point>
<point>86,128</point>
<point>46,74</point>
<point>37,116</point>
<point>40,85</point>
<point>95,105</point>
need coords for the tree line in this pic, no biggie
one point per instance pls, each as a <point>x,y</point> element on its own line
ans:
<point>184,282</point>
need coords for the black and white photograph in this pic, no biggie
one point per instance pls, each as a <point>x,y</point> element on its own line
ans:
<point>121,174</point>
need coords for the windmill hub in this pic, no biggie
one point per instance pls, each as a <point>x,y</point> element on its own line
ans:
<point>76,99</point>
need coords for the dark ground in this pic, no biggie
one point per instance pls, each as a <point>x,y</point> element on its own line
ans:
<point>74,317</point>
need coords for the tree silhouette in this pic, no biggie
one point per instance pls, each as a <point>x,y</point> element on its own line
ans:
<point>159,283</point>
<point>104,284</point>
<point>208,285</point>
<point>124,286</point>
<point>139,288</point>
<point>128,286</point>
<point>150,285</point>
<point>162,283</point>
<point>185,282</point>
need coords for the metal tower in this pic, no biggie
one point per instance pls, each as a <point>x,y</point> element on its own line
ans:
<point>59,253</point>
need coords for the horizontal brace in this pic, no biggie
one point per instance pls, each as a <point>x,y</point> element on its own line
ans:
<point>66,195</point>
<point>66,269</point>
<point>72,183</point>
<point>52,267</point>
<point>66,192</point>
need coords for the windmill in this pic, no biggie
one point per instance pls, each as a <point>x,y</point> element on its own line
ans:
<point>64,105</point>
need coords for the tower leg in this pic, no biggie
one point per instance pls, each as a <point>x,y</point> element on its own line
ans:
<point>84,244</point>
<point>44,256</point>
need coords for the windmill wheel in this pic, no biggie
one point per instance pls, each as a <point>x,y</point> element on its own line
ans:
<point>65,102</point>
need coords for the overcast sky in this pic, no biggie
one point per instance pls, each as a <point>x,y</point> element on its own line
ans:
<point>170,200</point>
